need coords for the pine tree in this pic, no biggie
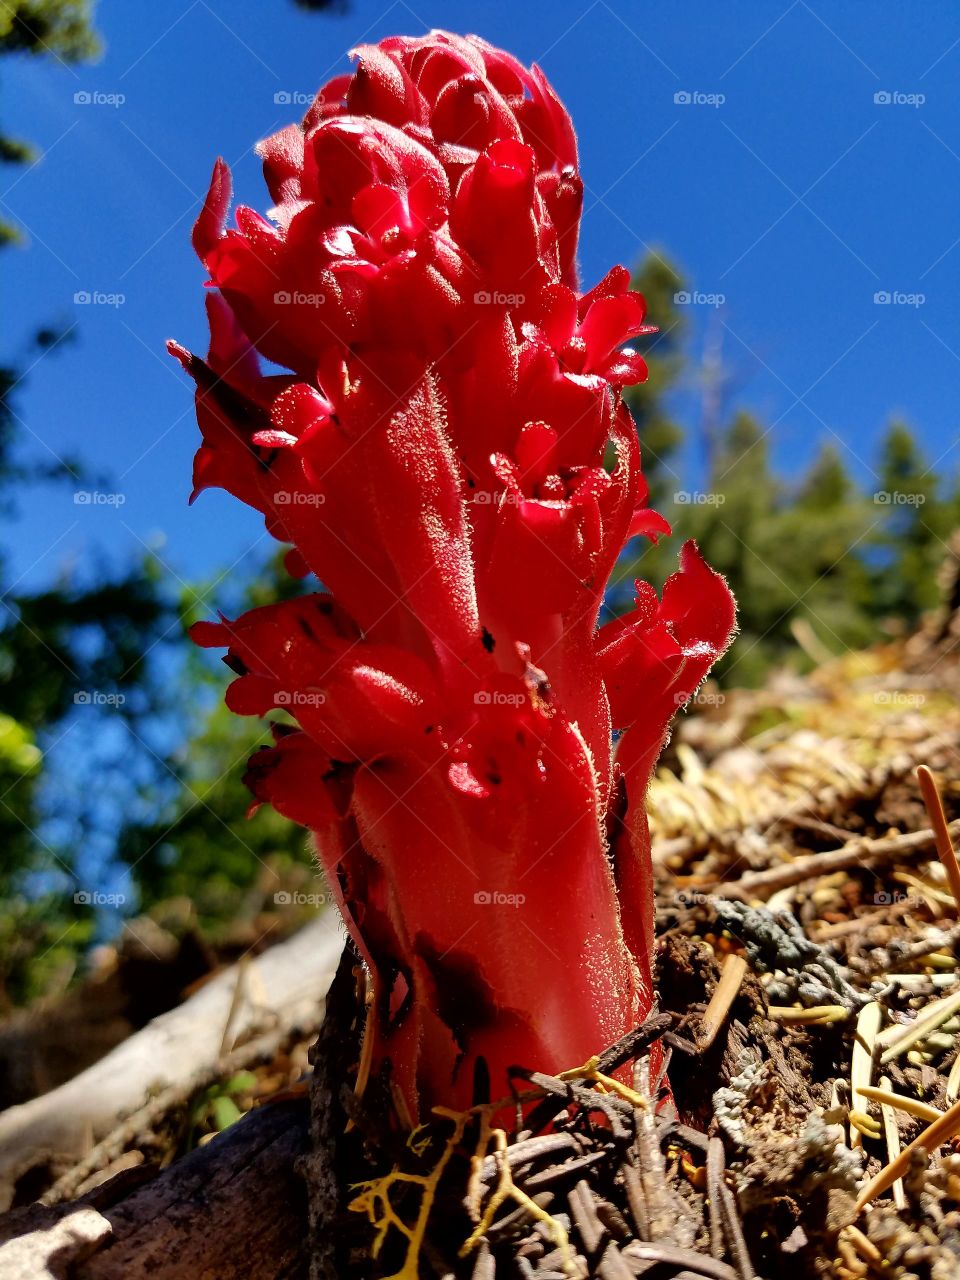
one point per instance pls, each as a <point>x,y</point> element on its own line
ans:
<point>911,529</point>
<point>660,434</point>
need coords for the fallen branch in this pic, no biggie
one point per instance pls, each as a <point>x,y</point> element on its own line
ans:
<point>285,987</point>
<point>253,1053</point>
<point>783,876</point>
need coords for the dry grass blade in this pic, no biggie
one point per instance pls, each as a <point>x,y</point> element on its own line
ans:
<point>727,989</point>
<point>861,1064</point>
<point>891,1133</point>
<point>941,1011</point>
<point>942,831</point>
<point>933,1137</point>
<point>818,1014</point>
<point>897,1030</point>
<point>912,1106</point>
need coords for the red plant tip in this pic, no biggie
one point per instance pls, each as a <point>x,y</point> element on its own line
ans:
<point>449,453</point>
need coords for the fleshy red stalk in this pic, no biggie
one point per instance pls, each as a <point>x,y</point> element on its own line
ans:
<point>450,456</point>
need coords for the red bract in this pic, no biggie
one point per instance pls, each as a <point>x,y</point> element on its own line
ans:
<point>450,456</point>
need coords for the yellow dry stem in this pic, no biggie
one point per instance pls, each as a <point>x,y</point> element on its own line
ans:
<point>374,1197</point>
<point>507,1189</point>
<point>590,1075</point>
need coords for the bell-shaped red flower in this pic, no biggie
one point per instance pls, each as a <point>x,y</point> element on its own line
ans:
<point>449,454</point>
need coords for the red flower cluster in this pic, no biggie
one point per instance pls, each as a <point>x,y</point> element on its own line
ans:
<point>450,456</point>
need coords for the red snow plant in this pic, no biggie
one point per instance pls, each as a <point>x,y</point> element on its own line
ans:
<point>449,454</point>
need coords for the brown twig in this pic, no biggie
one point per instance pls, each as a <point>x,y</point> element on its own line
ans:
<point>635,1043</point>
<point>716,1163</point>
<point>809,867</point>
<point>917,951</point>
<point>672,1256</point>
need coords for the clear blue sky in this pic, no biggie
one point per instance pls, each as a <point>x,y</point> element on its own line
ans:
<point>798,197</point>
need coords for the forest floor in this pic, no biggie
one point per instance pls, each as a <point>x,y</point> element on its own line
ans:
<point>809,980</point>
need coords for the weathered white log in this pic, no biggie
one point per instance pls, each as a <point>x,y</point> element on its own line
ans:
<point>58,1241</point>
<point>235,1209</point>
<point>284,986</point>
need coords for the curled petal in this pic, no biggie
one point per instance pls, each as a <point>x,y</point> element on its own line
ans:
<point>382,88</point>
<point>655,659</point>
<point>282,156</point>
<point>208,229</point>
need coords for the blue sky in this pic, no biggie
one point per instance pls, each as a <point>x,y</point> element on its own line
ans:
<point>782,182</point>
